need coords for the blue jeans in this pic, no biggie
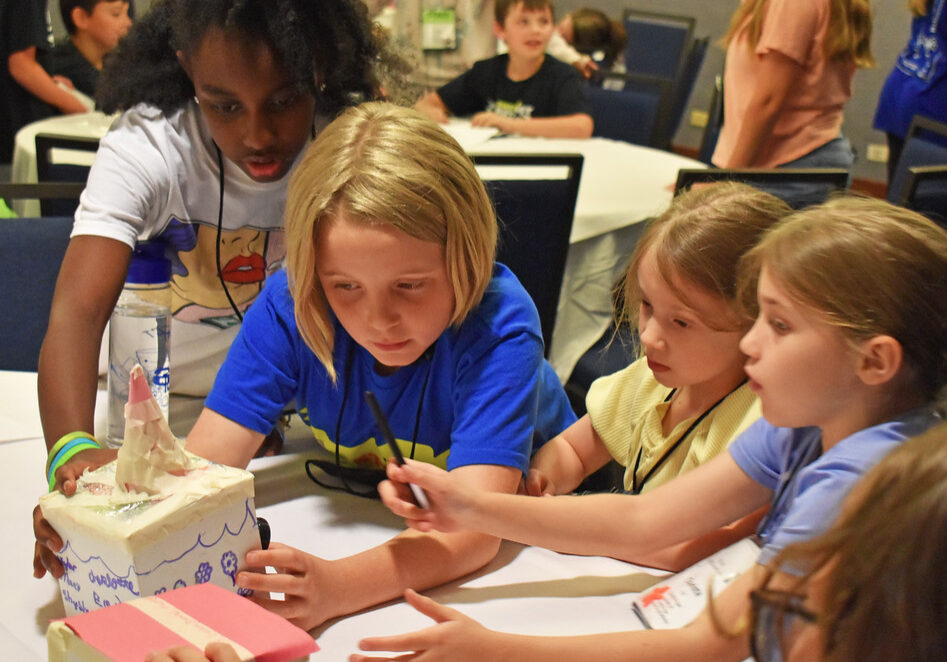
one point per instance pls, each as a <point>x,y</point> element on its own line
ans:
<point>836,153</point>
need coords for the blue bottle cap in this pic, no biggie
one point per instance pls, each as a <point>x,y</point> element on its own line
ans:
<point>149,265</point>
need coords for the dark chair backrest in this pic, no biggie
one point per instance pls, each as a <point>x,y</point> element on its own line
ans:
<point>693,61</point>
<point>925,191</point>
<point>819,183</point>
<point>632,108</point>
<point>657,44</point>
<point>708,141</point>
<point>924,145</point>
<point>31,250</point>
<point>49,169</point>
<point>535,217</point>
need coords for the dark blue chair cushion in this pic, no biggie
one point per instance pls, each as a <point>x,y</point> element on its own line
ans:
<point>31,250</point>
<point>628,115</point>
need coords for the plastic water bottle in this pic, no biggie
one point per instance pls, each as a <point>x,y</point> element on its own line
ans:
<point>140,332</point>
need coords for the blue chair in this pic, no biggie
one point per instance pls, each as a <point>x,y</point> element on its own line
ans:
<point>708,141</point>
<point>31,250</point>
<point>657,44</point>
<point>915,183</point>
<point>685,84</point>
<point>535,216</point>
<point>632,108</point>
<point>925,191</point>
<point>49,169</point>
<point>799,187</point>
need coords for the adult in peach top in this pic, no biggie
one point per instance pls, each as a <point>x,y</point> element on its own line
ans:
<point>789,71</point>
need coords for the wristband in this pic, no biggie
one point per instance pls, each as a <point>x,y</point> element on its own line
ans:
<point>63,440</point>
<point>63,450</point>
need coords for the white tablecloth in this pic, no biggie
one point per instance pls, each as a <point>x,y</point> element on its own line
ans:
<point>82,125</point>
<point>525,589</point>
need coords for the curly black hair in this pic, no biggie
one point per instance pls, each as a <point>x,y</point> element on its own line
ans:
<point>327,45</point>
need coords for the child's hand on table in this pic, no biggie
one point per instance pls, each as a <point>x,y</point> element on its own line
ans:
<point>453,637</point>
<point>48,541</point>
<point>306,581</point>
<point>451,501</point>
<point>215,652</point>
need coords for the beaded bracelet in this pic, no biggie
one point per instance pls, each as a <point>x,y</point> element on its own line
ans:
<point>63,450</point>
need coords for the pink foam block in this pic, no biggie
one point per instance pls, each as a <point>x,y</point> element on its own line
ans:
<point>138,389</point>
<point>125,634</point>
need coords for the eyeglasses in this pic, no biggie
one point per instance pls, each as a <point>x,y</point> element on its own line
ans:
<point>776,619</point>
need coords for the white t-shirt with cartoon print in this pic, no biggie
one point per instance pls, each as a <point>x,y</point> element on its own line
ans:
<point>156,177</point>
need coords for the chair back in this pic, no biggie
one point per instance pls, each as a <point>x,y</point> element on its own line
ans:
<point>708,141</point>
<point>63,159</point>
<point>799,187</point>
<point>31,250</point>
<point>685,84</point>
<point>534,197</point>
<point>632,108</point>
<point>925,191</point>
<point>657,44</point>
<point>924,146</point>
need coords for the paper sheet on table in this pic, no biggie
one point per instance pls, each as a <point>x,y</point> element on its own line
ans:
<point>19,407</point>
<point>469,136</point>
<point>676,601</point>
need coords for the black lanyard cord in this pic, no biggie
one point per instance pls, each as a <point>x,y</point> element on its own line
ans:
<point>365,476</point>
<point>636,487</point>
<point>220,227</point>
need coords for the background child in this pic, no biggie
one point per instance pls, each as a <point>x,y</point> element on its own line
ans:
<point>25,87</point>
<point>391,286</point>
<point>522,91</point>
<point>94,28</point>
<point>594,35</point>
<point>687,398</point>
<point>846,355</point>
<point>788,76</point>
<point>219,97</point>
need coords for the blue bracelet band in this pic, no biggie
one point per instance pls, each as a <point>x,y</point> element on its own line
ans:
<point>66,452</point>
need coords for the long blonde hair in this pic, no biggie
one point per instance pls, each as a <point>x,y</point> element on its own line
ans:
<point>848,36</point>
<point>384,164</point>
<point>700,239</point>
<point>868,268</point>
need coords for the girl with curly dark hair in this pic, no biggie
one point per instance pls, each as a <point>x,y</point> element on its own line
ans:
<point>219,98</point>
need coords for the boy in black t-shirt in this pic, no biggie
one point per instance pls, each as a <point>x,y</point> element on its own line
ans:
<point>523,91</point>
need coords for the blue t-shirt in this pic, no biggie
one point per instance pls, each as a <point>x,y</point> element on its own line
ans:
<point>918,83</point>
<point>809,486</point>
<point>482,394</point>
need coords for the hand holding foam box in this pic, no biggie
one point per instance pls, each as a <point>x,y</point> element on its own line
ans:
<point>183,520</point>
<point>196,615</point>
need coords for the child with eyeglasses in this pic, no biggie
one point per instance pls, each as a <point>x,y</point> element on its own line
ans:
<point>873,587</point>
<point>847,358</point>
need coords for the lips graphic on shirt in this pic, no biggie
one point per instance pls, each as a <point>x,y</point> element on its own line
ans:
<point>244,269</point>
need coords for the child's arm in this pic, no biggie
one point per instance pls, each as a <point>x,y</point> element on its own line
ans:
<point>456,638</point>
<point>433,106</point>
<point>317,589</point>
<point>578,125</point>
<point>566,459</point>
<point>621,526</point>
<point>217,438</point>
<point>30,74</point>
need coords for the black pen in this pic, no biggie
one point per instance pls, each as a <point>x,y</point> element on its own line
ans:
<point>382,422</point>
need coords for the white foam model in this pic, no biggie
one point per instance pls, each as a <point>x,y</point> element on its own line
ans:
<point>124,541</point>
